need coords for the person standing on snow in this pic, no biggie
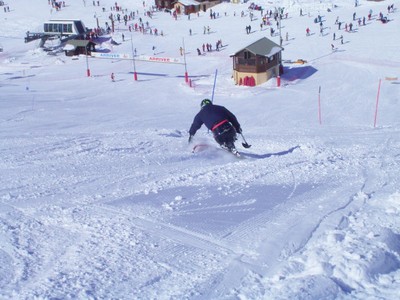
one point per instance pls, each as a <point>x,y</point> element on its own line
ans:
<point>220,121</point>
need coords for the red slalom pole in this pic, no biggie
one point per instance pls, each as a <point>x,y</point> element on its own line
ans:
<point>377,102</point>
<point>87,64</point>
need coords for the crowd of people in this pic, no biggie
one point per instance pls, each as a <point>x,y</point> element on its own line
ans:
<point>271,19</point>
<point>134,21</point>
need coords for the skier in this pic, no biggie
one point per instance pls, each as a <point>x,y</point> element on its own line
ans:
<point>220,121</point>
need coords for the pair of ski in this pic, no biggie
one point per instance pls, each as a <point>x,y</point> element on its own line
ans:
<point>202,147</point>
<point>232,150</point>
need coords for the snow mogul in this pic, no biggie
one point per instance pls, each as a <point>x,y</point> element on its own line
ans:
<point>220,121</point>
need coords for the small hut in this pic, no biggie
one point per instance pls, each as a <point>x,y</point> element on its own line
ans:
<point>257,63</point>
<point>76,47</point>
<point>186,7</point>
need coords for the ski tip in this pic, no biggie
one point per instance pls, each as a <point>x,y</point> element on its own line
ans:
<point>238,155</point>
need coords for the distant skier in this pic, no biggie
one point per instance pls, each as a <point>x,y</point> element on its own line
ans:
<point>220,121</point>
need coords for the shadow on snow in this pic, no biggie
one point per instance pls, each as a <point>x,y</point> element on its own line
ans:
<point>261,156</point>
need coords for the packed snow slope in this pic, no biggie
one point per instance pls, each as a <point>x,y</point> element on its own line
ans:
<point>101,196</point>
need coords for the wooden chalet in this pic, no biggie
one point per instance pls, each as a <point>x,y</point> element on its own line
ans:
<point>186,6</point>
<point>257,63</point>
<point>76,47</point>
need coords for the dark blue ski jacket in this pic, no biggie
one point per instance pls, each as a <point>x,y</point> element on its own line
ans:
<point>211,115</point>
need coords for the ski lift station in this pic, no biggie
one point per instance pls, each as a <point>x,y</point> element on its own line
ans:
<point>63,29</point>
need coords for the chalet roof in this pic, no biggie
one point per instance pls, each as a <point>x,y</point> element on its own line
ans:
<point>263,47</point>
<point>187,2</point>
<point>80,43</point>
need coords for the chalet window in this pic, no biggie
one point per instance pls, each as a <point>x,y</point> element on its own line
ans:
<point>271,58</point>
<point>247,54</point>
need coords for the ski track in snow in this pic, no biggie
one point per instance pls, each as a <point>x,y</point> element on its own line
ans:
<point>257,244</point>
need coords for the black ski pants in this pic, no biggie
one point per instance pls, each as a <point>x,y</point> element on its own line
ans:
<point>225,135</point>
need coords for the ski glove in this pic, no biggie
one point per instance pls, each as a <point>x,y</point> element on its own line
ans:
<point>239,130</point>
<point>190,138</point>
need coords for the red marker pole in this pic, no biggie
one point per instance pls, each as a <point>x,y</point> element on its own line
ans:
<point>87,64</point>
<point>184,60</point>
<point>133,60</point>
<point>377,102</point>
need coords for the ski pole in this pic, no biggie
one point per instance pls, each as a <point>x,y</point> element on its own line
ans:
<point>212,95</point>
<point>245,144</point>
<point>215,82</point>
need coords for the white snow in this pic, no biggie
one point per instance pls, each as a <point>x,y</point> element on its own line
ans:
<point>102,198</point>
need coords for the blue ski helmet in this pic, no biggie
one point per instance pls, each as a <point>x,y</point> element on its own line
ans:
<point>205,102</point>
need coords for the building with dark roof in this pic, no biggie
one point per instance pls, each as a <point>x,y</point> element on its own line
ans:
<point>186,6</point>
<point>257,63</point>
<point>76,47</point>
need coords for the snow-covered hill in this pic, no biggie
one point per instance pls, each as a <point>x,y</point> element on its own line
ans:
<point>101,196</point>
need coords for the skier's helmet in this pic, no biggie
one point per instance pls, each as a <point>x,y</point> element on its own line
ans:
<point>205,102</point>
